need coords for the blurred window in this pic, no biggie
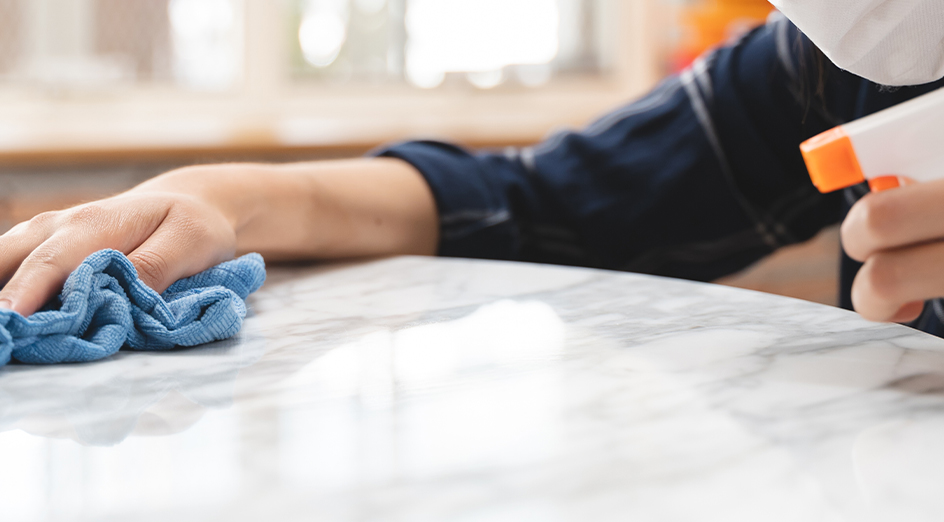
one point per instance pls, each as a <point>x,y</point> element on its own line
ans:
<point>94,44</point>
<point>201,44</point>
<point>425,42</point>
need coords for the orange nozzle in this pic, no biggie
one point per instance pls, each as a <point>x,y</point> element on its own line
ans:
<point>831,160</point>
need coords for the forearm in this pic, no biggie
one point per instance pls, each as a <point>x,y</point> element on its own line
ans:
<point>317,210</point>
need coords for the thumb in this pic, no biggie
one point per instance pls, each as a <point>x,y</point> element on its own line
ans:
<point>174,252</point>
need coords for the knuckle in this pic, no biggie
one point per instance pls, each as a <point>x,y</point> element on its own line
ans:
<point>42,220</point>
<point>151,266</point>
<point>43,259</point>
<point>91,214</point>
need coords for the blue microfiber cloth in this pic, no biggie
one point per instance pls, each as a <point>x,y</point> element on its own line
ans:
<point>104,306</point>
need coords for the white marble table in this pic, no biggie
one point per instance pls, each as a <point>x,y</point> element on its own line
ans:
<point>418,389</point>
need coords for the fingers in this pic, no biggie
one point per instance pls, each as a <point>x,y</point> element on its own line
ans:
<point>168,235</point>
<point>181,247</point>
<point>42,274</point>
<point>895,218</point>
<point>908,313</point>
<point>17,243</point>
<point>893,284</point>
<point>41,255</point>
<point>897,234</point>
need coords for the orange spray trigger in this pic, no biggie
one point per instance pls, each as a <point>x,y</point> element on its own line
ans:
<point>831,160</point>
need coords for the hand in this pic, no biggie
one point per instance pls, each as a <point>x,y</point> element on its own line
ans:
<point>167,234</point>
<point>188,220</point>
<point>899,235</point>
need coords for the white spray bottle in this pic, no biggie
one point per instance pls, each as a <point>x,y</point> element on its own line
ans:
<point>897,146</point>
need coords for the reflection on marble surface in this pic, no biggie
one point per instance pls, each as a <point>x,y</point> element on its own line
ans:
<point>427,389</point>
<point>102,404</point>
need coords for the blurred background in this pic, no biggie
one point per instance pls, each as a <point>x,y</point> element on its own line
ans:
<point>98,95</point>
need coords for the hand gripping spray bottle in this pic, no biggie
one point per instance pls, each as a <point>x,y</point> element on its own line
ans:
<point>898,146</point>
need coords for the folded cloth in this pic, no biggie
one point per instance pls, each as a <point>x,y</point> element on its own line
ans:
<point>104,306</point>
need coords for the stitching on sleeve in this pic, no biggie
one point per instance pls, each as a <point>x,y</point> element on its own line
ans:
<point>700,70</point>
<point>463,223</point>
<point>707,124</point>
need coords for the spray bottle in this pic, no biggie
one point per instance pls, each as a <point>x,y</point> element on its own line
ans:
<point>898,146</point>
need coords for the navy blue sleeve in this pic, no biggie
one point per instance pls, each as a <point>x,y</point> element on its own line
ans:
<point>698,179</point>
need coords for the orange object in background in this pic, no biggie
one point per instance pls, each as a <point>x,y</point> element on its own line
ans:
<point>709,23</point>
